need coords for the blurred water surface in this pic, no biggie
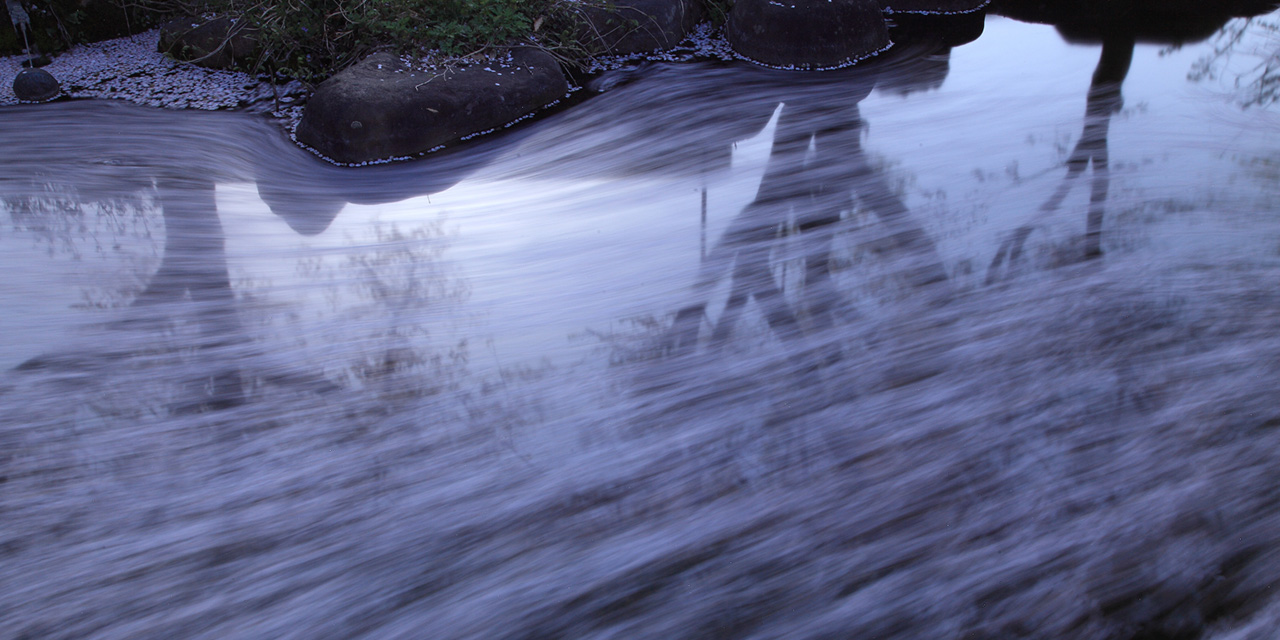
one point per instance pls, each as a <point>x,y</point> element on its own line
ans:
<point>970,341</point>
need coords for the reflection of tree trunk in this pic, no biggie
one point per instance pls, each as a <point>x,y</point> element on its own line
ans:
<point>194,259</point>
<point>195,265</point>
<point>817,190</point>
<point>1104,100</point>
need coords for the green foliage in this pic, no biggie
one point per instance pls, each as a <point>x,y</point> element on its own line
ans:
<point>311,39</point>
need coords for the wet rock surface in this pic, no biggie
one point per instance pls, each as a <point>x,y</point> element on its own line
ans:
<point>220,43</point>
<point>36,85</point>
<point>382,108</point>
<point>807,34</point>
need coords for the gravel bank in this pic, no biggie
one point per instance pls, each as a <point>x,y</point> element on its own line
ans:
<point>131,69</point>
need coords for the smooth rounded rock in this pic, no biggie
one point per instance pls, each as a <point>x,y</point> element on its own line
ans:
<point>220,43</point>
<point>807,34</point>
<point>380,108</point>
<point>36,85</point>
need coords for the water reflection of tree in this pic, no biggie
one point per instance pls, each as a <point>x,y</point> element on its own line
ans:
<point>76,192</point>
<point>1119,26</point>
<point>392,291</point>
<point>115,237</point>
<point>1104,100</point>
<point>190,289</point>
<point>817,179</point>
<point>1247,51</point>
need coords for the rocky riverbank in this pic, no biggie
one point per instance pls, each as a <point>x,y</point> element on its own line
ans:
<point>395,107</point>
<point>389,107</point>
<point>132,69</point>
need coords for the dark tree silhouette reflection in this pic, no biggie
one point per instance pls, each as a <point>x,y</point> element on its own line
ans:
<point>810,196</point>
<point>1091,149</point>
<point>818,179</point>
<point>1118,26</point>
<point>194,266</point>
<point>178,166</point>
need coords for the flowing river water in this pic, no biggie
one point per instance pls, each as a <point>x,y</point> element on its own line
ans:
<point>964,342</point>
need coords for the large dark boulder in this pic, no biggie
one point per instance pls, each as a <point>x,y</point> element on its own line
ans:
<point>636,26</point>
<point>380,108</point>
<point>807,34</point>
<point>36,85</point>
<point>933,7</point>
<point>220,43</point>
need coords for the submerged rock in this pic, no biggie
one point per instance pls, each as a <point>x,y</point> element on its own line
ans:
<point>382,108</point>
<point>807,34</point>
<point>36,85</point>
<point>220,43</point>
<point>637,26</point>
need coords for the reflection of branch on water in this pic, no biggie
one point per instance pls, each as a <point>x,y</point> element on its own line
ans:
<point>188,308</point>
<point>111,236</point>
<point>1104,100</point>
<point>192,275</point>
<point>810,196</point>
<point>1257,81</point>
<point>398,290</point>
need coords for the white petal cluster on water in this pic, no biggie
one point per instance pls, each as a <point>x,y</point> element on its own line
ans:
<point>704,42</point>
<point>131,69</point>
<point>981,7</point>
<point>707,42</point>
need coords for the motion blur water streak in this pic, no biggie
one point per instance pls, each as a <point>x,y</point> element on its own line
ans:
<point>724,352</point>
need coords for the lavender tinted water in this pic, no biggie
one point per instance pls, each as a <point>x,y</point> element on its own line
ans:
<point>965,342</point>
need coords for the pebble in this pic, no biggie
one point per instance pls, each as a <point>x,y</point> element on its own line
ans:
<point>35,85</point>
